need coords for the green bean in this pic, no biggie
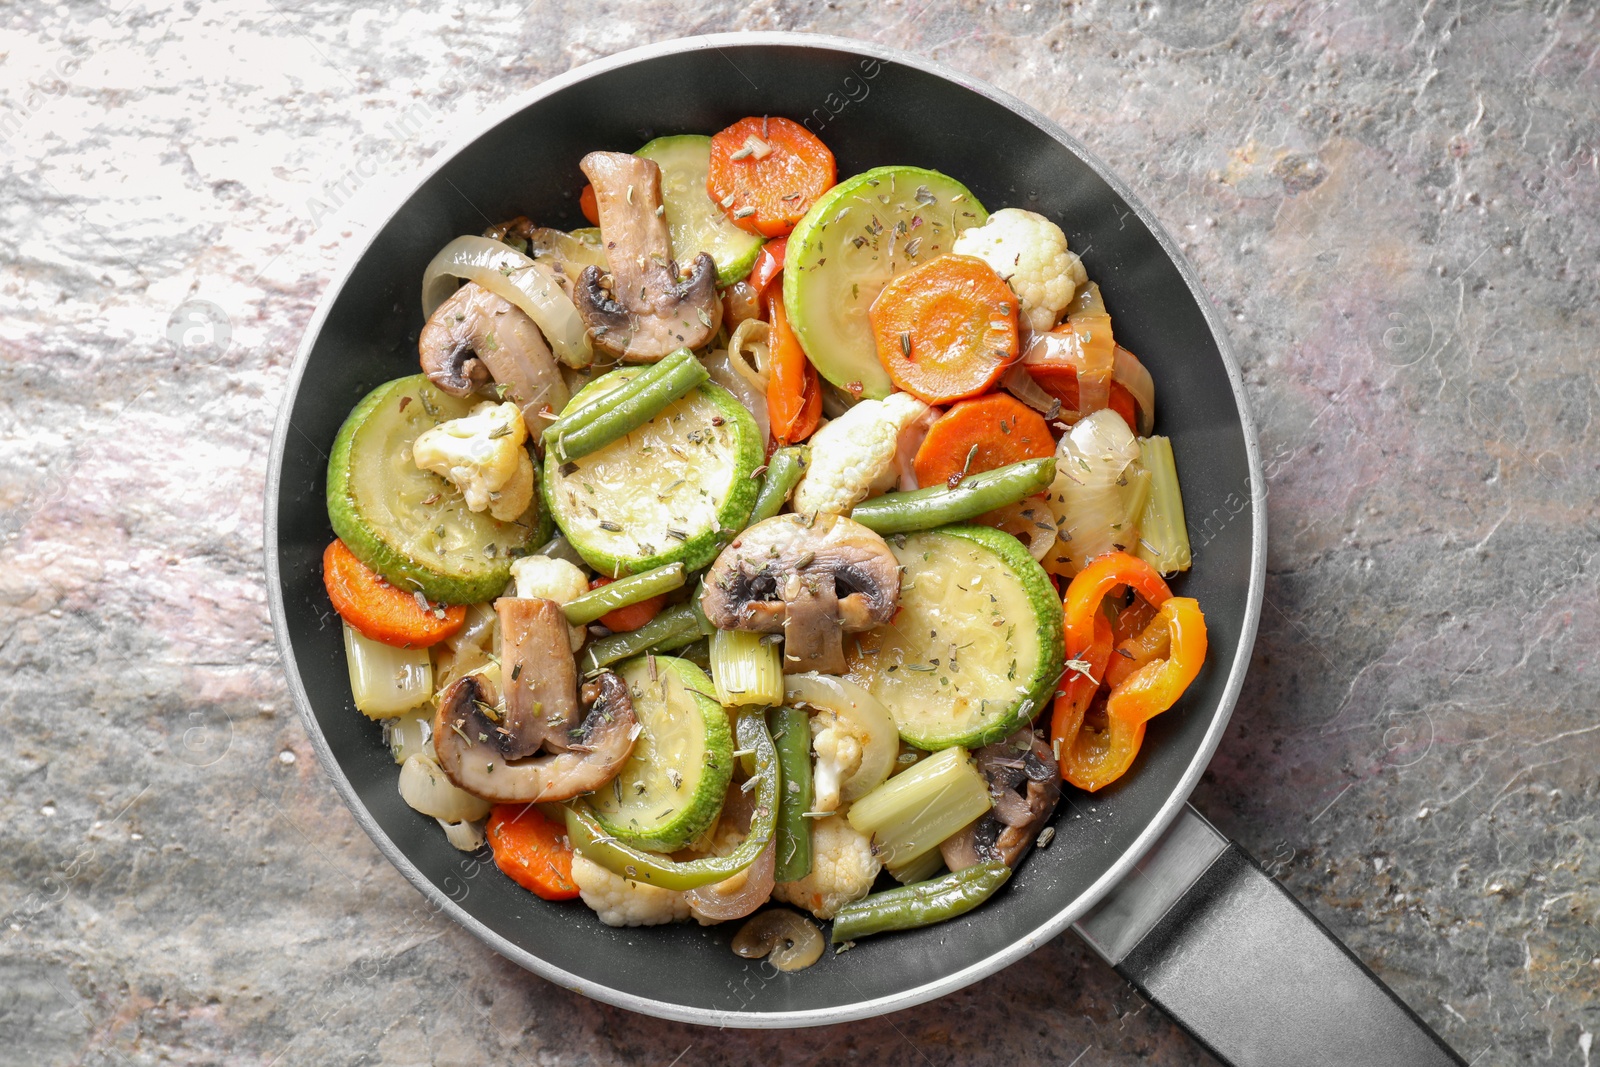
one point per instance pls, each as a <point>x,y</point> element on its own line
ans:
<point>791,732</point>
<point>583,610</point>
<point>658,633</point>
<point>923,509</point>
<point>783,471</point>
<point>648,394</point>
<point>921,904</point>
<point>592,842</point>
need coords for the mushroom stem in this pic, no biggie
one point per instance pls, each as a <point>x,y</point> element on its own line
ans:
<point>538,675</point>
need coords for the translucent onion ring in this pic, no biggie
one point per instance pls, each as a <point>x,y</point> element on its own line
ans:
<point>866,714</point>
<point>1137,381</point>
<point>724,371</point>
<point>752,334</point>
<point>510,275</point>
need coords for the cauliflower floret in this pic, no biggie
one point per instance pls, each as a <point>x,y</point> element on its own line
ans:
<point>853,456</point>
<point>1030,253</point>
<point>842,869</point>
<point>838,757</point>
<point>482,454</point>
<point>620,902</point>
<point>552,579</point>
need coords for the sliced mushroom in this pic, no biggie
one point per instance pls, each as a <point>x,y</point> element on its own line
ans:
<point>1023,782</point>
<point>466,741</point>
<point>645,308</point>
<point>538,675</point>
<point>812,582</point>
<point>476,337</point>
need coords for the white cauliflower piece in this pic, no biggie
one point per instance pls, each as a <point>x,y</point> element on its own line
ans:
<point>551,579</point>
<point>620,902</point>
<point>842,869</point>
<point>838,754</point>
<point>853,456</point>
<point>1030,252</point>
<point>482,454</point>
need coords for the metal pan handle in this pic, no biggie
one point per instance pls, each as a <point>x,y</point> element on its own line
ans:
<point>1218,945</point>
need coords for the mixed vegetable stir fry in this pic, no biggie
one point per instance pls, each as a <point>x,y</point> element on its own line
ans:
<point>773,535</point>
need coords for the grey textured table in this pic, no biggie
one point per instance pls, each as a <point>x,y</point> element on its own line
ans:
<point>1397,210</point>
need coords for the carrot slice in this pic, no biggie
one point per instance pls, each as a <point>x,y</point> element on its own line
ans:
<point>633,616</point>
<point>589,206</point>
<point>980,435</point>
<point>794,392</point>
<point>946,329</point>
<point>380,611</point>
<point>767,172</point>
<point>531,850</point>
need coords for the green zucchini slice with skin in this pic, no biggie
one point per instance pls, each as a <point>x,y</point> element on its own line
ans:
<point>411,525</point>
<point>861,233</point>
<point>672,786</point>
<point>673,491</point>
<point>976,649</point>
<point>696,222</point>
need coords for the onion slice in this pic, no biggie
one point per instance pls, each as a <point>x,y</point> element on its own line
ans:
<point>1020,384</point>
<point>511,275</point>
<point>750,352</point>
<point>1137,381</point>
<point>1087,499</point>
<point>865,717</point>
<point>723,369</point>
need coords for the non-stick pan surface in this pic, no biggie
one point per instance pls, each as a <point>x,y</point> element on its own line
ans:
<point>872,106</point>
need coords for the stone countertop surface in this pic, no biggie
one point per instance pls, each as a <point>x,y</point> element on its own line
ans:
<point>1396,208</point>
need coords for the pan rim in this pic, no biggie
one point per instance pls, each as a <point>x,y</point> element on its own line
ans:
<point>919,994</point>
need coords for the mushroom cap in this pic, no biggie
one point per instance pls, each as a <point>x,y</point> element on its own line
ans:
<point>596,748</point>
<point>644,309</point>
<point>1023,782</point>
<point>746,587</point>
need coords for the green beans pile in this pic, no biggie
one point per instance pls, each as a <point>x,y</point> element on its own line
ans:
<point>920,904</point>
<point>791,732</point>
<point>624,409</point>
<point>590,606</point>
<point>924,509</point>
<point>783,474</point>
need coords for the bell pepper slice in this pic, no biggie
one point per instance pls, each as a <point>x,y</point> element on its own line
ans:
<point>591,841</point>
<point>1096,758</point>
<point>1088,634</point>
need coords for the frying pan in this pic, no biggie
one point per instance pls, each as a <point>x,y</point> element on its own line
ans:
<point>1175,907</point>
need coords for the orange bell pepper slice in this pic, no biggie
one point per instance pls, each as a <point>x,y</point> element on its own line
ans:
<point>1096,758</point>
<point>1089,636</point>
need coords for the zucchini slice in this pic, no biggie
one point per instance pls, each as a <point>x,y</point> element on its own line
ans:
<point>863,232</point>
<point>672,786</point>
<point>664,493</point>
<point>408,524</point>
<point>696,222</point>
<point>977,647</point>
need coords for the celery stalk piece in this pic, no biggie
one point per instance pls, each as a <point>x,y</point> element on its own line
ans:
<point>746,669</point>
<point>913,812</point>
<point>386,681</point>
<point>1163,534</point>
<point>920,869</point>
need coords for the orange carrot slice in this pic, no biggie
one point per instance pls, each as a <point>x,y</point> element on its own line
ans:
<point>981,434</point>
<point>767,172</point>
<point>380,611</point>
<point>531,850</point>
<point>946,329</point>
